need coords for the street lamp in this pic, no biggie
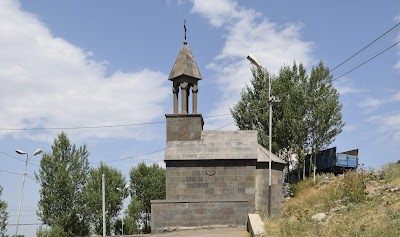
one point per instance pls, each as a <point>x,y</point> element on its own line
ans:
<point>271,99</point>
<point>123,197</point>
<point>37,152</point>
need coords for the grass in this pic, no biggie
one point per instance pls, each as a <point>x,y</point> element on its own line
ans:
<point>350,212</point>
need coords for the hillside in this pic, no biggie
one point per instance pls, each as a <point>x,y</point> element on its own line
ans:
<point>357,204</point>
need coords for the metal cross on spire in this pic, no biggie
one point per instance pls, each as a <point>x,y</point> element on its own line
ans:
<point>184,26</point>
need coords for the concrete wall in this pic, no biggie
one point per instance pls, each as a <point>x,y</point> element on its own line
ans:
<point>195,213</point>
<point>211,180</point>
<point>262,186</point>
<point>184,127</point>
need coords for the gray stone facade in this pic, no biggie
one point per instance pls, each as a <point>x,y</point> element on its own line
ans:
<point>184,127</point>
<point>197,213</point>
<point>262,187</point>
<point>211,180</point>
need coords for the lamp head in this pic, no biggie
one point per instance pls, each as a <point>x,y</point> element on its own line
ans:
<point>37,152</point>
<point>253,60</point>
<point>20,152</point>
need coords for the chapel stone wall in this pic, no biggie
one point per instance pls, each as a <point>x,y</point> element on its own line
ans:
<point>211,180</point>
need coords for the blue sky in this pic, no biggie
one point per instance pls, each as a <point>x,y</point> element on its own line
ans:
<point>93,63</point>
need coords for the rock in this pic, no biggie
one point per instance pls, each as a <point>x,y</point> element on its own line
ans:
<point>373,183</point>
<point>255,225</point>
<point>319,216</point>
<point>388,187</point>
<point>336,209</point>
<point>373,188</point>
<point>286,191</point>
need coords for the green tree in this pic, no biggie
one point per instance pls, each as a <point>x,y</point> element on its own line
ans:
<point>146,183</point>
<point>55,231</point>
<point>3,215</point>
<point>62,175</point>
<point>290,114</point>
<point>115,194</point>
<point>307,116</point>
<point>324,117</point>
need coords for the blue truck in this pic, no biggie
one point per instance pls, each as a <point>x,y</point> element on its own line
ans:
<point>330,161</point>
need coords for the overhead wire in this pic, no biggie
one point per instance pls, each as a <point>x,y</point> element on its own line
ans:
<point>365,47</point>
<point>159,150</point>
<point>100,126</point>
<point>347,72</point>
<point>16,173</point>
<point>10,172</point>
<point>120,125</point>
<point>18,159</point>
<point>25,224</point>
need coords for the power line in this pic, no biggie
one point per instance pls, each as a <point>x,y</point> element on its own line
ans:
<point>100,126</point>
<point>25,224</point>
<point>30,210</point>
<point>367,61</point>
<point>18,158</point>
<point>5,171</point>
<point>27,175</point>
<point>124,125</point>
<point>155,151</point>
<point>352,56</point>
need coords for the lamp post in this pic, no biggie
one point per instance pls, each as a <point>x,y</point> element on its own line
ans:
<point>123,197</point>
<point>271,99</point>
<point>37,152</point>
<point>103,188</point>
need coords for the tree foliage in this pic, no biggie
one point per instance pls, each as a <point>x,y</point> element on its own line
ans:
<point>324,117</point>
<point>115,194</point>
<point>306,120</point>
<point>62,175</point>
<point>146,183</point>
<point>55,231</point>
<point>3,215</point>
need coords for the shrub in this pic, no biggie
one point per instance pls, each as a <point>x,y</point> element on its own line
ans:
<point>391,171</point>
<point>353,187</point>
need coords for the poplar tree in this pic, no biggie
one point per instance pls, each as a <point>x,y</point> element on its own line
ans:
<point>147,182</point>
<point>115,194</point>
<point>62,175</point>
<point>3,215</point>
<point>324,117</point>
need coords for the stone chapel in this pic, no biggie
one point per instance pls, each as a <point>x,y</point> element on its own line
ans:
<point>213,178</point>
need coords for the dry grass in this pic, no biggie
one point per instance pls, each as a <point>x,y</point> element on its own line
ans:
<point>355,215</point>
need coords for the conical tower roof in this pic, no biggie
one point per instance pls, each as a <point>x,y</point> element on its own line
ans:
<point>185,65</point>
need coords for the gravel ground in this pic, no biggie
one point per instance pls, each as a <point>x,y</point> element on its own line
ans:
<point>210,232</point>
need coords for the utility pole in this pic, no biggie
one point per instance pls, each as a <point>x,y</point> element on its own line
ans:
<point>104,203</point>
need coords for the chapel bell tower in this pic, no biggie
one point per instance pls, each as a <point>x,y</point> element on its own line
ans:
<point>185,75</point>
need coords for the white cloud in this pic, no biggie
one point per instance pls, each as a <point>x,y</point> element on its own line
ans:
<point>369,104</point>
<point>344,86</point>
<point>388,127</point>
<point>46,81</point>
<point>396,96</point>
<point>350,128</point>
<point>248,31</point>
